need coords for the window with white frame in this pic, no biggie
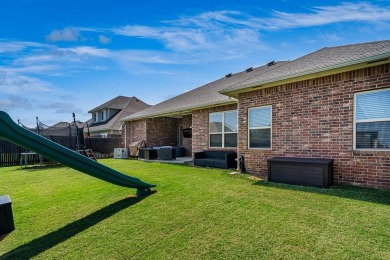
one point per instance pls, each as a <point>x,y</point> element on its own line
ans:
<point>223,129</point>
<point>96,117</point>
<point>260,124</point>
<point>372,120</point>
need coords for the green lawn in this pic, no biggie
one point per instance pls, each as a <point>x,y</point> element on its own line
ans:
<point>197,213</point>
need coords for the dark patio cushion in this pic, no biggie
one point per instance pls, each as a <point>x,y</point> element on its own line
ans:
<point>217,159</point>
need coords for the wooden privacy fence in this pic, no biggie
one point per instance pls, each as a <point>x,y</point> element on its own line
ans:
<point>10,153</point>
<point>102,147</point>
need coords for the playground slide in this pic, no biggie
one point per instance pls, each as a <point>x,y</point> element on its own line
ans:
<point>18,135</point>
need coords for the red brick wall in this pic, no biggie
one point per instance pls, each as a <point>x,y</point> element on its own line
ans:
<point>200,127</point>
<point>314,118</point>
<point>154,131</point>
<point>161,131</point>
<point>158,131</point>
<point>135,131</point>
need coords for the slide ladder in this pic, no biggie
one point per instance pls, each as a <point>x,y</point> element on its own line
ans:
<point>90,154</point>
<point>87,153</point>
<point>20,136</point>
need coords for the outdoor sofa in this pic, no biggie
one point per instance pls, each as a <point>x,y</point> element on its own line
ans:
<point>216,159</point>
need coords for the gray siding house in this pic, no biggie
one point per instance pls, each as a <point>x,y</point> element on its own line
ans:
<point>106,117</point>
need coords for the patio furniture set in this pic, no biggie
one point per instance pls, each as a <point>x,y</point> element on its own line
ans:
<point>214,159</point>
<point>161,153</point>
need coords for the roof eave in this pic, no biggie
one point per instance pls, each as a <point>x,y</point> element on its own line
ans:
<point>181,112</point>
<point>342,67</point>
<point>96,129</point>
<point>106,107</point>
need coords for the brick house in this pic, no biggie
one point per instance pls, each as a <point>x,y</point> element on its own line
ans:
<point>332,103</point>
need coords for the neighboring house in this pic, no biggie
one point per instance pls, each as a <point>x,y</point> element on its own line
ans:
<point>332,103</point>
<point>64,127</point>
<point>106,117</point>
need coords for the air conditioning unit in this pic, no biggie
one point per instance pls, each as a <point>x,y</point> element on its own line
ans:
<point>121,153</point>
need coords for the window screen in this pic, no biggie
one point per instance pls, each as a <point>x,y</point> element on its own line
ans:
<point>372,120</point>
<point>260,122</point>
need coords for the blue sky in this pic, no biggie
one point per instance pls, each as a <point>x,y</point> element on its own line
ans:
<point>59,57</point>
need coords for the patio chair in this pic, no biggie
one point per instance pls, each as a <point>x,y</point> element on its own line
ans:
<point>148,153</point>
<point>166,153</point>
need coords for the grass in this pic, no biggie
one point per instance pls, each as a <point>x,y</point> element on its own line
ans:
<point>197,213</point>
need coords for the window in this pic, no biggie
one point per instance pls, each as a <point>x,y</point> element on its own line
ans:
<point>260,123</point>
<point>372,120</point>
<point>103,112</point>
<point>96,117</point>
<point>223,129</point>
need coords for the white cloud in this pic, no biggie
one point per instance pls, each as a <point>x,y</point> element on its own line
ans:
<point>13,84</point>
<point>104,39</point>
<point>12,102</point>
<point>205,35</point>
<point>61,107</point>
<point>134,61</point>
<point>138,31</point>
<point>11,47</point>
<point>35,59</point>
<point>211,32</point>
<point>323,15</point>
<point>225,34</point>
<point>56,61</point>
<point>67,34</point>
<point>83,51</point>
<point>35,69</point>
<point>330,36</point>
<point>209,19</point>
<point>16,46</point>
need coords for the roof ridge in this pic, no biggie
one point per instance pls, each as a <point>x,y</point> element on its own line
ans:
<point>109,103</point>
<point>321,60</point>
<point>354,44</point>
<point>282,63</point>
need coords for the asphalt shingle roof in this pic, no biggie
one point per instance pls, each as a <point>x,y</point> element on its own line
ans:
<point>206,95</point>
<point>128,106</point>
<point>319,61</point>
<point>118,102</point>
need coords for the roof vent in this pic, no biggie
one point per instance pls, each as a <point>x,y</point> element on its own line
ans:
<point>269,64</point>
<point>249,69</point>
<point>228,75</point>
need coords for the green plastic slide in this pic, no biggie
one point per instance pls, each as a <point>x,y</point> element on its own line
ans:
<point>18,135</point>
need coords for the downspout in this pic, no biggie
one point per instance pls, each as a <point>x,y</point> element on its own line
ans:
<point>124,123</point>
<point>89,136</point>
